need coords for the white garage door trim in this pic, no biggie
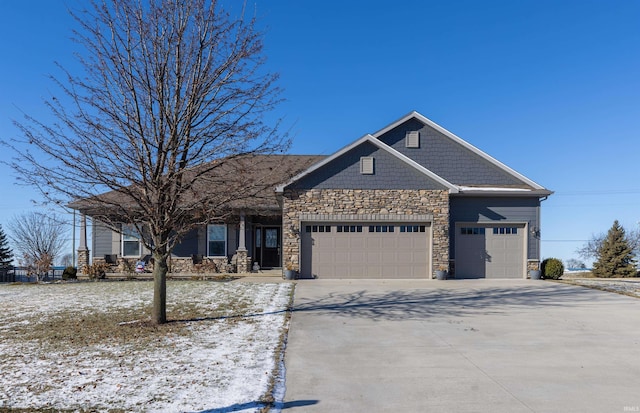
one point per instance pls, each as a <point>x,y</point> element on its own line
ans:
<point>523,230</point>
<point>311,267</point>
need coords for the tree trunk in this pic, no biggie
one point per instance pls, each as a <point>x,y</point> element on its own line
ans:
<point>160,270</point>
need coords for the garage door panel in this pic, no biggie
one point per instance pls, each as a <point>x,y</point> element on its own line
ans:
<point>485,251</point>
<point>358,252</point>
<point>373,244</point>
<point>390,243</point>
<point>356,258</point>
<point>355,243</point>
<point>341,257</point>
<point>341,243</point>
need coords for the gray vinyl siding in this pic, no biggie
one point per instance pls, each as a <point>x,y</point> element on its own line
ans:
<point>344,173</point>
<point>446,158</point>
<point>232,239</point>
<point>188,246</point>
<point>195,242</point>
<point>495,210</point>
<point>102,238</point>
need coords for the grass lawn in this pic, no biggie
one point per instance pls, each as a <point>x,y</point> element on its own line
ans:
<point>90,347</point>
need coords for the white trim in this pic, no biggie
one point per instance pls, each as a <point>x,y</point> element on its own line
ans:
<point>226,241</point>
<point>494,189</point>
<point>369,138</point>
<point>133,234</point>
<point>460,141</point>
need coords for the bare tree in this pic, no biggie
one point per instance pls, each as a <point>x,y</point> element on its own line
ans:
<point>160,128</point>
<point>67,260</point>
<point>39,239</point>
<point>573,263</point>
<point>591,249</point>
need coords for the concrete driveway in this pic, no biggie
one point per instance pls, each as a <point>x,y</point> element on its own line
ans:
<point>461,346</point>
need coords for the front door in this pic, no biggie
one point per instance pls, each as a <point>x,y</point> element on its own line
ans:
<point>268,246</point>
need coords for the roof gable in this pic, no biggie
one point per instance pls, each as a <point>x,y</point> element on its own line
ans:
<point>353,150</point>
<point>451,157</point>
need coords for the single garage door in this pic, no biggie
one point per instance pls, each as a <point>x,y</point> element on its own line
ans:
<point>365,250</point>
<point>490,251</point>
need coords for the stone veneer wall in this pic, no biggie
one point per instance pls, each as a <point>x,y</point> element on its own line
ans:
<point>176,265</point>
<point>367,202</point>
<point>532,265</point>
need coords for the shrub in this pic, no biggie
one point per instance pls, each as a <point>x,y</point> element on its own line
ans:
<point>97,270</point>
<point>70,273</point>
<point>206,267</point>
<point>552,268</point>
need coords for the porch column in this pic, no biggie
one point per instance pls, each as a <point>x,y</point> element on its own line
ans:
<point>242,265</point>
<point>83,251</point>
<point>242,246</point>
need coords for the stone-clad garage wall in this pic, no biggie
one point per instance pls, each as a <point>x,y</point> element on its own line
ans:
<point>361,202</point>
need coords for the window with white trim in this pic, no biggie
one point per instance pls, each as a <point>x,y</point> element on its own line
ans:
<point>216,240</point>
<point>131,245</point>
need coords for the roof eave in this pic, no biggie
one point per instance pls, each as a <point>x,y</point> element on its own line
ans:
<point>538,193</point>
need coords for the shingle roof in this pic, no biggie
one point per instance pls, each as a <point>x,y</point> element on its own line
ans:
<point>252,180</point>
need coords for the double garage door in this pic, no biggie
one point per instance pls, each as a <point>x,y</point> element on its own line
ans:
<point>484,251</point>
<point>365,250</point>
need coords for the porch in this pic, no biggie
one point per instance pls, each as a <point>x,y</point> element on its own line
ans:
<point>242,244</point>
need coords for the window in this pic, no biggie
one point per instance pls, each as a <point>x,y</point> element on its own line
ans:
<point>381,228</point>
<point>412,139</point>
<point>349,228</point>
<point>130,241</point>
<point>472,231</point>
<point>413,228</point>
<point>216,240</point>
<point>271,238</point>
<point>366,165</point>
<point>505,231</point>
<point>320,228</point>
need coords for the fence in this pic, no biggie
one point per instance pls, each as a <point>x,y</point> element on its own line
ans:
<point>21,275</point>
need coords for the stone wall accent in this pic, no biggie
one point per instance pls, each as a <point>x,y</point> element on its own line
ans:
<point>242,261</point>
<point>379,202</point>
<point>180,265</point>
<point>83,257</point>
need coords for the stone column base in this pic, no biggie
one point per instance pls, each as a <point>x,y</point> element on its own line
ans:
<point>83,258</point>
<point>242,264</point>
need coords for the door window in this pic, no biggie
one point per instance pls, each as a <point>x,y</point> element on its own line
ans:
<point>271,238</point>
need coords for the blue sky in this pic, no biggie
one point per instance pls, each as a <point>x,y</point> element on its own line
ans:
<point>550,88</point>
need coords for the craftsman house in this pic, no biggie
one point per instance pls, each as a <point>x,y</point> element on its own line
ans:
<point>402,202</point>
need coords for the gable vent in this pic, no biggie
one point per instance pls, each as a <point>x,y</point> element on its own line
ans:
<point>412,139</point>
<point>366,165</point>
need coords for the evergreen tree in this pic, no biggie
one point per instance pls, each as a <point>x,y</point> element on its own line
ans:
<point>6,254</point>
<point>615,257</point>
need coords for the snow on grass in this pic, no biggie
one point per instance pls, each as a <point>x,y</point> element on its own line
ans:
<point>629,287</point>
<point>80,346</point>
